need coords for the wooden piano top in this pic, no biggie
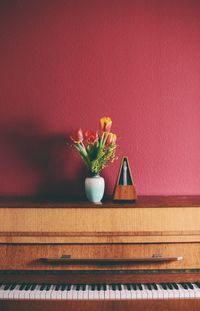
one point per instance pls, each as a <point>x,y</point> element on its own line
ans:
<point>141,202</point>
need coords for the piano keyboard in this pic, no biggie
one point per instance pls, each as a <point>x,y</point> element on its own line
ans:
<point>100,291</point>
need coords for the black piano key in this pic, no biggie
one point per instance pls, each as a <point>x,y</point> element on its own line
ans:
<point>48,286</point>
<point>12,287</point>
<point>184,285</point>
<point>33,287</point>
<point>93,287</point>
<point>113,287</point>
<point>104,287</point>
<point>133,286</point>
<point>119,287</point>
<point>154,286</point>
<point>169,286</point>
<point>128,286</point>
<point>42,287</point>
<point>22,286</point>
<point>77,287</point>
<point>163,285</point>
<point>7,287</point>
<point>139,286</point>
<point>175,286</point>
<point>69,287</point>
<point>190,285</point>
<point>198,284</point>
<point>149,286</point>
<point>66,287</point>
<point>57,287</point>
<point>27,287</point>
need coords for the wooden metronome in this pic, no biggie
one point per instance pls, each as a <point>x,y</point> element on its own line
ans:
<point>124,189</point>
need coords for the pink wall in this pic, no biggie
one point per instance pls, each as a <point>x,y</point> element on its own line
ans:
<point>66,63</point>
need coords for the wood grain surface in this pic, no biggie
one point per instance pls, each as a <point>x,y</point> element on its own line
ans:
<point>143,305</point>
<point>27,257</point>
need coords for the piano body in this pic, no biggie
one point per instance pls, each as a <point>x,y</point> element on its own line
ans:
<point>81,256</point>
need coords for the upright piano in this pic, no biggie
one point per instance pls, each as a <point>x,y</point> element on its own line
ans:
<point>114,256</point>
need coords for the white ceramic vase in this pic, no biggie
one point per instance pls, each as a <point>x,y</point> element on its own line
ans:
<point>94,188</point>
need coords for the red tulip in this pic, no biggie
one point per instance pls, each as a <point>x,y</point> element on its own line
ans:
<point>77,136</point>
<point>106,123</point>
<point>91,137</point>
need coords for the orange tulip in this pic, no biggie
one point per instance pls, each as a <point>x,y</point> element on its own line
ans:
<point>111,139</point>
<point>77,136</point>
<point>105,123</point>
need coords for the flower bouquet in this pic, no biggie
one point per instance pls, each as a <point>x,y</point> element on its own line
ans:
<point>97,151</point>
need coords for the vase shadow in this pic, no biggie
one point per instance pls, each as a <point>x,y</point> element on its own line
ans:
<point>59,170</point>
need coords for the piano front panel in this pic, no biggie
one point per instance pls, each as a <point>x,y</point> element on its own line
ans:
<point>28,256</point>
<point>139,305</point>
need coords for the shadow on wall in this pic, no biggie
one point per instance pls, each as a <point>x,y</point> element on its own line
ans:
<point>50,157</point>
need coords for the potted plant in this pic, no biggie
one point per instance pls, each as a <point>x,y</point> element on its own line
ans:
<point>97,151</point>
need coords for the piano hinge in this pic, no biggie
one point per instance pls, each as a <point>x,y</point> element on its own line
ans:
<point>156,255</point>
<point>65,256</point>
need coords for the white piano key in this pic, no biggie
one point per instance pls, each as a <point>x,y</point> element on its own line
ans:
<point>6,293</point>
<point>127,292</point>
<point>176,293</point>
<point>101,294</point>
<point>74,292</point>
<point>107,292</point>
<point>32,293</point>
<point>53,293</point>
<point>117,294</point>
<point>48,292</point>
<point>11,294</point>
<point>124,292</point>
<point>111,293</point>
<point>21,294</point>
<point>133,294</point>
<point>196,291</point>
<point>160,292</point>
<point>184,293</point>
<point>139,293</point>
<point>27,294</point>
<point>86,293</point>
<point>36,292</point>
<point>80,294</point>
<point>58,294</point>
<point>96,294</point>
<point>144,293</point>
<point>43,294</point>
<point>181,291</point>
<point>170,293</point>
<point>165,293</point>
<point>2,291</point>
<point>147,294</point>
<point>16,292</point>
<point>90,293</point>
<point>154,294</point>
<point>191,293</point>
<point>70,293</point>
